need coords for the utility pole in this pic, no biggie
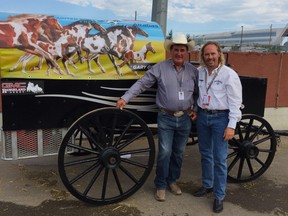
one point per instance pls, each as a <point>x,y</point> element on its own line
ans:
<point>270,35</point>
<point>159,13</point>
<point>241,37</point>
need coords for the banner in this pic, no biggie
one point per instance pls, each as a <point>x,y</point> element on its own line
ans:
<point>37,46</point>
<point>56,69</point>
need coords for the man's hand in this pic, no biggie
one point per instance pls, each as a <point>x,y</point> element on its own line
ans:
<point>193,115</point>
<point>229,134</point>
<point>121,103</point>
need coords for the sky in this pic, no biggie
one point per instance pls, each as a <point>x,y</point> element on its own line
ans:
<point>192,17</point>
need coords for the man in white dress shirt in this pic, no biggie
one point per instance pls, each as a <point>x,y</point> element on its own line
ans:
<point>219,102</point>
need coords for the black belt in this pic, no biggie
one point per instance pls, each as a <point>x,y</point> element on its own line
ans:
<point>177,113</point>
<point>213,111</point>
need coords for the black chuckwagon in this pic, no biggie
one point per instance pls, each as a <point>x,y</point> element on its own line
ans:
<point>105,154</point>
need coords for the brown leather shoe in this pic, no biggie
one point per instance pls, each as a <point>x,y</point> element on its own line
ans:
<point>160,195</point>
<point>202,191</point>
<point>175,189</point>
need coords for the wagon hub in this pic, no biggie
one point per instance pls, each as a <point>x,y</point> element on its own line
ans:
<point>249,150</point>
<point>110,157</point>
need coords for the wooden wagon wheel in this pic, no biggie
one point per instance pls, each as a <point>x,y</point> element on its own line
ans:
<point>252,150</point>
<point>106,156</point>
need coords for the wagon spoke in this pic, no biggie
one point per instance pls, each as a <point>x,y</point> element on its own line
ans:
<point>233,163</point>
<point>250,166</point>
<point>132,139</point>
<point>128,174</point>
<point>136,151</point>
<point>104,187</point>
<point>83,173</point>
<point>90,136</point>
<point>233,142</point>
<point>123,133</point>
<point>240,168</point>
<point>260,162</point>
<point>135,163</point>
<point>248,129</point>
<point>81,161</point>
<point>262,140</point>
<point>232,154</point>
<point>266,151</point>
<point>112,130</point>
<point>93,180</point>
<point>240,133</point>
<point>74,146</point>
<point>117,181</point>
<point>256,133</point>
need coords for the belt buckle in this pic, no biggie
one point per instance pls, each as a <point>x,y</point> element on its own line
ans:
<point>178,113</point>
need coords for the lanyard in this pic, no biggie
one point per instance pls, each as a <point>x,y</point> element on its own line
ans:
<point>217,72</point>
<point>182,77</point>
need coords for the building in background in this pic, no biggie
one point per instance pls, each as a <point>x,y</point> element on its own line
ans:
<point>248,40</point>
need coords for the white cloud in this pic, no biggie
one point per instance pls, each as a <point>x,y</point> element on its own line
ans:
<point>195,11</point>
<point>188,13</point>
<point>259,11</point>
<point>121,8</point>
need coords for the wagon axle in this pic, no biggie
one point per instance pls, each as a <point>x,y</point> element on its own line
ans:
<point>248,150</point>
<point>110,158</point>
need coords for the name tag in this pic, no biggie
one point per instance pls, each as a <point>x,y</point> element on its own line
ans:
<point>206,100</point>
<point>181,95</point>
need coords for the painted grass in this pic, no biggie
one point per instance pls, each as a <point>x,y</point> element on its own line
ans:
<point>9,57</point>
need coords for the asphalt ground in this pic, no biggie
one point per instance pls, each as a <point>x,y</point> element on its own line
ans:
<point>33,187</point>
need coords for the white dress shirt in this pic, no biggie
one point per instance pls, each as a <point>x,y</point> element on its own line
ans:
<point>225,93</point>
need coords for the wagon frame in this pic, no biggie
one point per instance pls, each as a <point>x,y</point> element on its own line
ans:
<point>120,146</point>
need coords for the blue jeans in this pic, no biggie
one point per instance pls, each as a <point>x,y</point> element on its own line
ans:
<point>214,150</point>
<point>173,134</point>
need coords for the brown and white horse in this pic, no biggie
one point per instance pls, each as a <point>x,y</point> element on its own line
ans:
<point>142,53</point>
<point>106,43</point>
<point>77,31</point>
<point>118,41</point>
<point>131,56</point>
<point>23,32</point>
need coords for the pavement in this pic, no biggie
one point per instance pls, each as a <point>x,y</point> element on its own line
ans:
<point>33,187</point>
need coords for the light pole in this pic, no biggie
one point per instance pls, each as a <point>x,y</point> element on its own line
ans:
<point>241,37</point>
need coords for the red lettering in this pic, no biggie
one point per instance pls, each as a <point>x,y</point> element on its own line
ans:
<point>13,85</point>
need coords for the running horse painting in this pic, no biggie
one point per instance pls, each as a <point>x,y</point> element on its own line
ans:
<point>118,41</point>
<point>23,31</point>
<point>141,55</point>
<point>70,42</point>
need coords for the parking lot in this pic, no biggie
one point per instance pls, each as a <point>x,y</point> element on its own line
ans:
<point>33,187</point>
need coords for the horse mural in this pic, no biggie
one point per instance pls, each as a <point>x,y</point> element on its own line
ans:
<point>118,41</point>
<point>69,44</point>
<point>58,39</point>
<point>23,31</point>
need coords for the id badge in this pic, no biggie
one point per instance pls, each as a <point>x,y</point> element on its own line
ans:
<point>205,100</point>
<point>181,95</point>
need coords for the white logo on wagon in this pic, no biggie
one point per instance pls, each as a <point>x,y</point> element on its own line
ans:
<point>31,87</point>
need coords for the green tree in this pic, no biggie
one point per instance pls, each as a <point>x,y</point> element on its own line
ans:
<point>170,35</point>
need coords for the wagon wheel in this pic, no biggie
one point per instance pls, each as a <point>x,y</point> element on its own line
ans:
<point>252,149</point>
<point>106,156</point>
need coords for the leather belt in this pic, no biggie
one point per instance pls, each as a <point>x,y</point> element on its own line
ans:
<point>213,111</point>
<point>176,114</point>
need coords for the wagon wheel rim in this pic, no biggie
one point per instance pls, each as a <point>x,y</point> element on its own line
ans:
<point>252,149</point>
<point>106,156</point>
